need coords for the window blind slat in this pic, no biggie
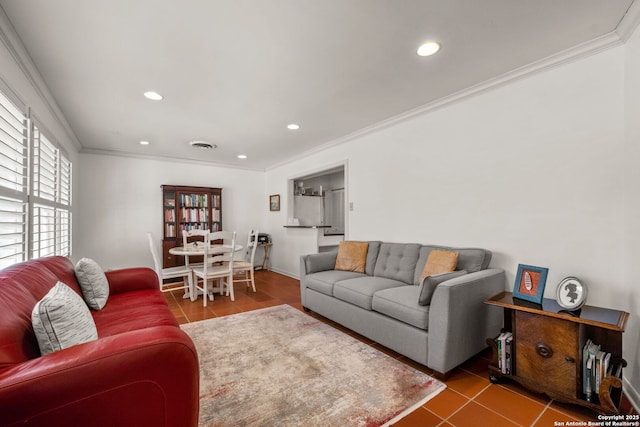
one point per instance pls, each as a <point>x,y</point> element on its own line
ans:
<point>11,138</point>
<point>13,180</point>
<point>31,225</point>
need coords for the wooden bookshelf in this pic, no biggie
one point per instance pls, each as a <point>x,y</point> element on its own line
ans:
<point>187,208</point>
<point>548,350</point>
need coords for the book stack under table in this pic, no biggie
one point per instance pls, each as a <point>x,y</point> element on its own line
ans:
<point>504,344</point>
<point>571,357</point>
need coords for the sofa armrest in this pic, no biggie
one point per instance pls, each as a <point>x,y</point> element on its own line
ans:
<point>142,377</point>
<point>131,279</point>
<point>318,262</point>
<point>312,264</point>
<point>460,321</point>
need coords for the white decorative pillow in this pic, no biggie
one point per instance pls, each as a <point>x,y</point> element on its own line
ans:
<point>93,283</point>
<point>61,319</point>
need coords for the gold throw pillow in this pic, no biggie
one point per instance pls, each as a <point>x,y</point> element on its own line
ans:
<point>352,256</point>
<point>439,262</point>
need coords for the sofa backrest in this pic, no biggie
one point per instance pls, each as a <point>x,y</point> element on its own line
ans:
<point>21,287</point>
<point>372,256</point>
<point>470,259</point>
<point>397,261</point>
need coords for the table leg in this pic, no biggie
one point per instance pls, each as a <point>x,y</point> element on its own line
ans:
<point>265,261</point>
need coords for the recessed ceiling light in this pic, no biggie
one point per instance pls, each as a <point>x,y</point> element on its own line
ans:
<point>242,156</point>
<point>155,96</point>
<point>428,48</point>
<point>204,145</point>
<point>293,126</point>
<point>144,142</point>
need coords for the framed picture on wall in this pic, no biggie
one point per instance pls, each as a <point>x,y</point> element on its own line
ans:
<point>274,202</point>
<point>530,282</point>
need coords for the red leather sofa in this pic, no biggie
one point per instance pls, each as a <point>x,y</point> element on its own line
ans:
<point>142,370</point>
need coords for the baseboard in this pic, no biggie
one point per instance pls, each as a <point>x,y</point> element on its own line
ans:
<point>631,393</point>
<point>285,273</point>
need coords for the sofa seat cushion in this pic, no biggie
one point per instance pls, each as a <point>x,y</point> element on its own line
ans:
<point>323,281</point>
<point>360,291</point>
<point>133,311</point>
<point>402,304</point>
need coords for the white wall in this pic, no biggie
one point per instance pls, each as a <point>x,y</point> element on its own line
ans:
<point>630,294</point>
<point>119,200</point>
<point>535,170</point>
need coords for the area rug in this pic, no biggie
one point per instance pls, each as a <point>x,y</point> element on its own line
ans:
<point>281,367</point>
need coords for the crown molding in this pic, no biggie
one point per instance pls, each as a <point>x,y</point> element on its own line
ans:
<point>570,55</point>
<point>114,153</point>
<point>21,56</point>
<point>629,22</point>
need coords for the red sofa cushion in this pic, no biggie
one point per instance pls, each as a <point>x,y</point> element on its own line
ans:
<point>132,311</point>
<point>21,287</point>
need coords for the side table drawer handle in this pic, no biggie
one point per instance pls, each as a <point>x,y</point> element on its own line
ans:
<point>544,350</point>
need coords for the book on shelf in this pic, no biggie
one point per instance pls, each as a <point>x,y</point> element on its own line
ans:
<point>596,365</point>
<point>504,344</point>
<point>589,360</point>
<point>194,214</point>
<point>508,347</point>
<point>499,346</point>
<point>188,226</point>
<point>193,200</point>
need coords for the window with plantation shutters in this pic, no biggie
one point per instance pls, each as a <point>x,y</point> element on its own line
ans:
<point>13,183</point>
<point>51,198</point>
<point>35,190</point>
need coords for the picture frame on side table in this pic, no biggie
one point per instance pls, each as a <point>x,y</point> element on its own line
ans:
<point>571,294</point>
<point>274,202</point>
<point>530,282</point>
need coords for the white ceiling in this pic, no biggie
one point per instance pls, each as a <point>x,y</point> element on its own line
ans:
<point>236,72</point>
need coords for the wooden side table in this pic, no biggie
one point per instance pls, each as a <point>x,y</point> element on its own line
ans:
<point>548,346</point>
<point>265,261</point>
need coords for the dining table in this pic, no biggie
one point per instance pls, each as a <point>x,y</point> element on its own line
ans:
<point>197,249</point>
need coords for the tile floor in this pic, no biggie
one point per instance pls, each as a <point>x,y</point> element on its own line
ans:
<point>469,400</point>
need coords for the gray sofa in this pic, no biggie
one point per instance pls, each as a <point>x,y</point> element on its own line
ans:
<point>383,302</point>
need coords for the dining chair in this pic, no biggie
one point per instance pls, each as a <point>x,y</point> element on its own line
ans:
<point>191,237</point>
<point>246,265</point>
<point>218,265</point>
<point>182,271</point>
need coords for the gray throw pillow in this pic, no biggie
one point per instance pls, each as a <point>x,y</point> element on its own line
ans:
<point>93,282</point>
<point>61,319</point>
<point>429,284</point>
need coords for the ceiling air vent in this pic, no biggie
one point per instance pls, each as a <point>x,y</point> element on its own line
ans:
<point>203,145</point>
